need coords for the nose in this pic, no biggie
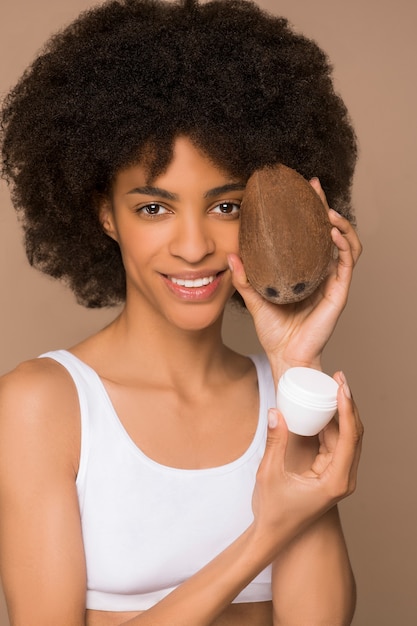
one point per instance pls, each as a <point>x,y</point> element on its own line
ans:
<point>193,238</point>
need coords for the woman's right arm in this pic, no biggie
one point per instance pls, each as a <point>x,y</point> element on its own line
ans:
<point>41,551</point>
<point>42,559</point>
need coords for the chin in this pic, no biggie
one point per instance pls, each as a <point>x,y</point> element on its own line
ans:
<point>196,320</point>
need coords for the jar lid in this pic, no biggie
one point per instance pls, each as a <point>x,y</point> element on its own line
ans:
<point>309,385</point>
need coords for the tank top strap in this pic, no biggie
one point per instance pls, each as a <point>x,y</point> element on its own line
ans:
<point>85,382</point>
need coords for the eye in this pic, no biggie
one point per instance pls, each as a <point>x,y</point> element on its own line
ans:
<point>152,210</point>
<point>228,209</point>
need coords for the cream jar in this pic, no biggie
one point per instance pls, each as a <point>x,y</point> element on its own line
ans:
<point>307,399</point>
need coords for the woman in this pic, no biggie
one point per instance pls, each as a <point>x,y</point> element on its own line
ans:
<point>142,478</point>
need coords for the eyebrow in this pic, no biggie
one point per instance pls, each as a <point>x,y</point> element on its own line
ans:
<point>154,191</point>
<point>218,191</point>
<point>148,190</point>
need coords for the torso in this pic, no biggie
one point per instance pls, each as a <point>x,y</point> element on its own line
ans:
<point>194,424</point>
<point>208,428</point>
<point>205,428</point>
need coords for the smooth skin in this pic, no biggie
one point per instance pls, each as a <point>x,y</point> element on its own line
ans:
<point>164,356</point>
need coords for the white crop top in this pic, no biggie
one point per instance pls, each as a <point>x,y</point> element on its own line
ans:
<point>147,527</point>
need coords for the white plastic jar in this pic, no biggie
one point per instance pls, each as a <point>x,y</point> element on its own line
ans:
<point>307,399</point>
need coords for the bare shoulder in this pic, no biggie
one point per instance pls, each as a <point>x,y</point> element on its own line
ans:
<point>39,410</point>
<point>42,558</point>
<point>39,386</point>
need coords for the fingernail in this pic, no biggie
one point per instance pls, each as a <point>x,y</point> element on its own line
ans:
<point>272,418</point>
<point>314,180</point>
<point>230,263</point>
<point>346,387</point>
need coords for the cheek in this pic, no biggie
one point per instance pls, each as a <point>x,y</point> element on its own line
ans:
<point>228,237</point>
<point>234,240</point>
<point>140,248</point>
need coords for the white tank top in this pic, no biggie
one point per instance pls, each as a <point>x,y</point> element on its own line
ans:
<point>147,527</point>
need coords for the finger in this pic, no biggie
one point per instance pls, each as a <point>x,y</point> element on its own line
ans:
<point>345,261</point>
<point>358,422</point>
<point>276,443</point>
<point>345,238</point>
<point>315,183</point>
<point>348,232</point>
<point>329,435</point>
<point>339,221</point>
<point>252,298</point>
<point>348,448</point>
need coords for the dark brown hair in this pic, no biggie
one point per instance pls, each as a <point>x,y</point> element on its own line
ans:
<point>245,87</point>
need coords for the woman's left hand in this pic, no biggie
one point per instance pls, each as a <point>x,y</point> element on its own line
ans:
<point>296,334</point>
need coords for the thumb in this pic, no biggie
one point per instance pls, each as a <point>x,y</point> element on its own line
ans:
<point>251,297</point>
<point>276,440</point>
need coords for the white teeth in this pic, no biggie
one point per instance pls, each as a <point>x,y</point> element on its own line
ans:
<point>199,282</point>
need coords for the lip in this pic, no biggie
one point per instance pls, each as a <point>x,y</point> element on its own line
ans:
<point>200,293</point>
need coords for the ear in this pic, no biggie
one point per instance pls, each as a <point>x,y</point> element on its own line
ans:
<point>106,219</point>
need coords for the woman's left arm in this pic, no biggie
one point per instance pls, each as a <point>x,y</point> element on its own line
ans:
<point>312,579</point>
<point>313,582</point>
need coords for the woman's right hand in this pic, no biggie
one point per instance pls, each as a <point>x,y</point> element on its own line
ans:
<point>285,500</point>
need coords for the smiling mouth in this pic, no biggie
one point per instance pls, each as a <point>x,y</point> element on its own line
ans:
<point>198,282</point>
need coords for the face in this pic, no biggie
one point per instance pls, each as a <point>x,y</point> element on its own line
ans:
<point>174,235</point>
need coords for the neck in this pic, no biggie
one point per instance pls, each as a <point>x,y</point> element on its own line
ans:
<point>157,349</point>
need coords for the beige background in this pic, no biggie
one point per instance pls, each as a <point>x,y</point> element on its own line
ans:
<point>373,47</point>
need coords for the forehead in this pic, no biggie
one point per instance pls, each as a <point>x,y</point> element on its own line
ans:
<point>187,163</point>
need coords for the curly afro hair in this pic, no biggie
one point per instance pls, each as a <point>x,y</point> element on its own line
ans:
<point>128,74</point>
